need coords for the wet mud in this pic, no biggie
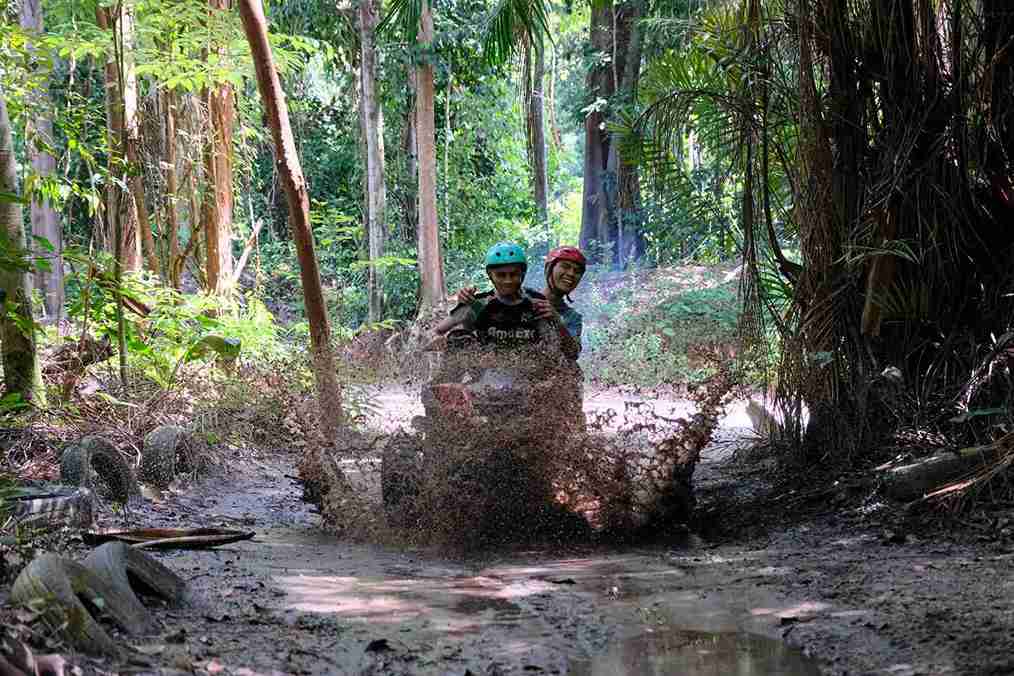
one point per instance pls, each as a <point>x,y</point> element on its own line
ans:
<point>824,596</point>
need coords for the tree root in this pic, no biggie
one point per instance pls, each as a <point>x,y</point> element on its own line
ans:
<point>66,592</point>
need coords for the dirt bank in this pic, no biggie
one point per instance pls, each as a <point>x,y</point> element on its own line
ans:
<point>835,585</point>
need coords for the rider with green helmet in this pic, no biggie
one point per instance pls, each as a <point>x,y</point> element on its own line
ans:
<point>508,315</point>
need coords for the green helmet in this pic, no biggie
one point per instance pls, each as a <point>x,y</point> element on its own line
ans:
<point>506,253</point>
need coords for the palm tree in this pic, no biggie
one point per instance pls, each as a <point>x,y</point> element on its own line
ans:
<point>522,26</point>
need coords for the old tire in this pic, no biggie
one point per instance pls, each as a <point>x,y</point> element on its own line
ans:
<point>399,480</point>
<point>124,566</point>
<point>94,456</point>
<point>161,456</point>
<point>63,506</point>
<point>66,591</point>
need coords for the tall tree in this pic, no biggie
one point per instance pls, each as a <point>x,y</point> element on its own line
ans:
<point>291,173</point>
<point>22,373</point>
<point>431,267</point>
<point>121,209</point>
<point>599,86</point>
<point>218,201</point>
<point>372,115</point>
<point>626,227</point>
<point>535,126</point>
<point>44,217</point>
<point>521,25</point>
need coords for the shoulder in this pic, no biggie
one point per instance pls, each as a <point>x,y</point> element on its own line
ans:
<point>532,293</point>
<point>481,299</point>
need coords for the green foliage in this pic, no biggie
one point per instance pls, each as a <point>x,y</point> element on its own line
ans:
<point>511,24</point>
<point>657,332</point>
<point>166,329</point>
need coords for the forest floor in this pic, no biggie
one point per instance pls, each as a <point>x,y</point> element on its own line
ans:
<point>773,583</point>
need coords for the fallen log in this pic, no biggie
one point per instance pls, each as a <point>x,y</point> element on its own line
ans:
<point>914,480</point>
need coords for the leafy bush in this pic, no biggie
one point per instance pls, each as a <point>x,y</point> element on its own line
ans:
<point>665,340</point>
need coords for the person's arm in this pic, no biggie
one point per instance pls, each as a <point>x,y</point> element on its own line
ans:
<point>459,316</point>
<point>569,345</point>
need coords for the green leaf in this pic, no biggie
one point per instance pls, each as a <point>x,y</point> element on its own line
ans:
<point>44,243</point>
<point>226,348</point>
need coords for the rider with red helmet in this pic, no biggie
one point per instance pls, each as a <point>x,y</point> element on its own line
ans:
<point>565,266</point>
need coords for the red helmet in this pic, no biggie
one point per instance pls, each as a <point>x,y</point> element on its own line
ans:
<point>565,253</point>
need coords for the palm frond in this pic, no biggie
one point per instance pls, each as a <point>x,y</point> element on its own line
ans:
<point>405,15</point>
<point>513,23</point>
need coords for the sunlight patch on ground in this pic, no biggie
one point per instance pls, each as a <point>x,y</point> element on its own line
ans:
<point>799,610</point>
<point>391,600</point>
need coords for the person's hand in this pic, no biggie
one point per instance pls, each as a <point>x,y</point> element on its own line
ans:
<point>434,343</point>
<point>466,295</point>
<point>545,310</point>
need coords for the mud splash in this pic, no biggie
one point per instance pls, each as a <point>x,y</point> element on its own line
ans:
<point>696,653</point>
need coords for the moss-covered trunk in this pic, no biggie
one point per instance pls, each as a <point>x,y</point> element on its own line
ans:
<point>22,374</point>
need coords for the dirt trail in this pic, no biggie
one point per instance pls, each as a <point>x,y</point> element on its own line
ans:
<point>296,600</point>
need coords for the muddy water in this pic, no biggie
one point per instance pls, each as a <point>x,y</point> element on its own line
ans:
<point>350,608</point>
<point>694,653</point>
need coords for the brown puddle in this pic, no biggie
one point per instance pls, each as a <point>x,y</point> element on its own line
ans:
<point>698,653</point>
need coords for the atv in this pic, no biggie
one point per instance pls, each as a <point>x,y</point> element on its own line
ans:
<point>492,419</point>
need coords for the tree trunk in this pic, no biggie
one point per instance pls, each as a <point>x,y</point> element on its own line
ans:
<point>376,190</point>
<point>536,127</point>
<point>172,220</point>
<point>218,200</point>
<point>411,149</point>
<point>121,113</point>
<point>22,372</point>
<point>431,269</point>
<point>630,242</point>
<point>45,219</point>
<point>599,85</point>
<point>255,27</point>
<point>140,235</point>
<point>554,128</point>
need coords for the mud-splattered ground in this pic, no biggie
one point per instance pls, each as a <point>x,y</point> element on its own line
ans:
<point>836,586</point>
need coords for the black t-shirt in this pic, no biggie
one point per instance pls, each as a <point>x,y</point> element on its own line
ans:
<point>499,324</point>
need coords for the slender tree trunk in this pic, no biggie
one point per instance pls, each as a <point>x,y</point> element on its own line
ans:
<point>329,394</point>
<point>376,189</point>
<point>555,134</point>
<point>218,201</point>
<point>114,134</point>
<point>44,217</point>
<point>121,114</point>
<point>630,218</point>
<point>596,145</point>
<point>22,373</point>
<point>410,148</point>
<point>534,100</point>
<point>139,233</point>
<point>171,191</point>
<point>431,268</point>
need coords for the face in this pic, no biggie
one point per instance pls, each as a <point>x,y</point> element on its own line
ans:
<point>507,279</point>
<point>565,276</point>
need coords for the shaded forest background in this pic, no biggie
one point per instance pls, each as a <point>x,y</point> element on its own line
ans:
<point>853,155</point>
